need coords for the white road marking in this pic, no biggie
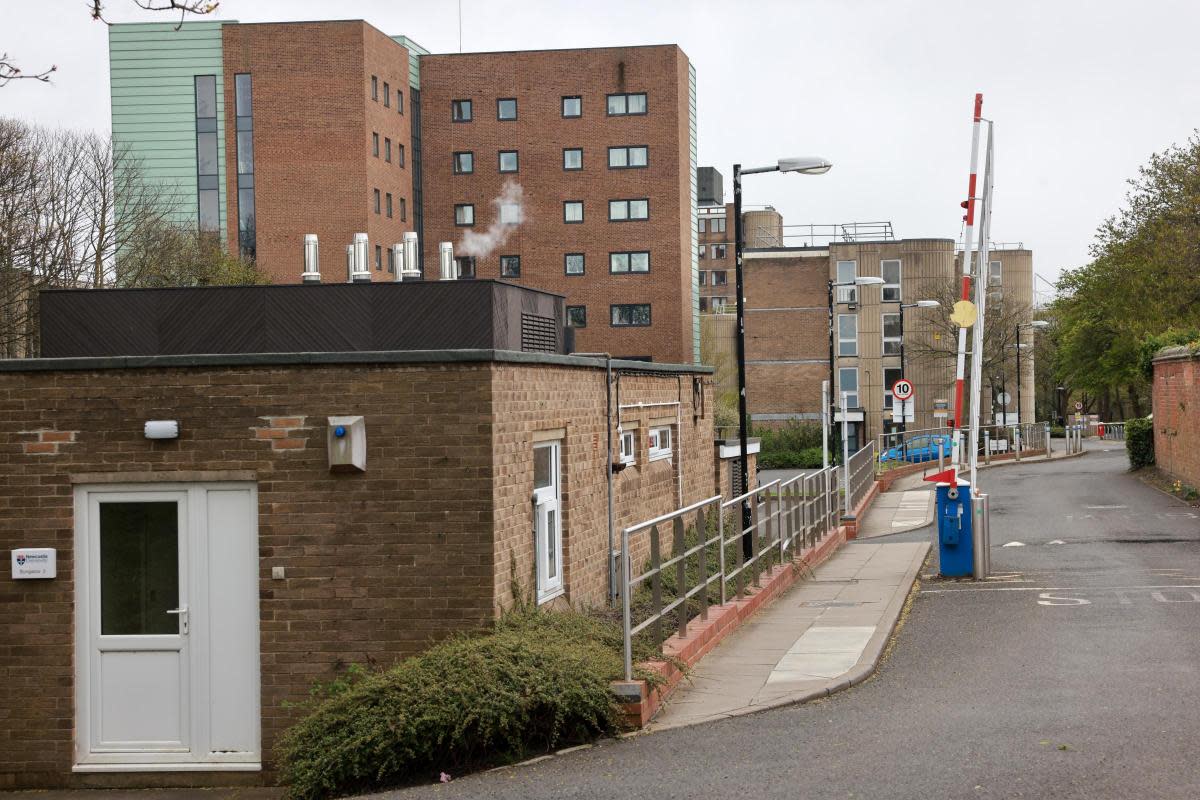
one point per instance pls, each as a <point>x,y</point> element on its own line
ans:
<point>985,588</point>
<point>1013,544</point>
<point>1048,599</point>
<point>1103,508</point>
<point>1056,541</point>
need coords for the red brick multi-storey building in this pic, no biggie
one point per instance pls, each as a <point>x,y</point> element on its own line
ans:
<point>566,170</point>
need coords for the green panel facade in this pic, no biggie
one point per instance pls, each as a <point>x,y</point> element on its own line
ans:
<point>415,51</point>
<point>152,69</point>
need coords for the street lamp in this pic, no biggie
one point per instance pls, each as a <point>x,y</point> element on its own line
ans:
<point>918,304</point>
<point>860,280</point>
<point>802,165</point>
<point>1035,325</point>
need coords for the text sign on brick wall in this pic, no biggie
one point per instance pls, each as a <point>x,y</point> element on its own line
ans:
<point>34,562</point>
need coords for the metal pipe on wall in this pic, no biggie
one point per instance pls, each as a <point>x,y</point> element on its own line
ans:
<point>312,260</point>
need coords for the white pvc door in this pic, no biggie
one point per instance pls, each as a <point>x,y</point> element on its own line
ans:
<point>547,499</point>
<point>167,627</point>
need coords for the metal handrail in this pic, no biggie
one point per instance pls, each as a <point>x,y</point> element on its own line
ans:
<point>1113,431</point>
<point>860,473</point>
<point>785,517</point>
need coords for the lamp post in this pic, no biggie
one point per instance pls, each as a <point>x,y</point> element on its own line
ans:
<point>1035,325</point>
<point>862,280</point>
<point>806,165</point>
<point>903,374</point>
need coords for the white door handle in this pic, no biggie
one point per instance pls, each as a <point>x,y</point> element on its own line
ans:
<point>183,618</point>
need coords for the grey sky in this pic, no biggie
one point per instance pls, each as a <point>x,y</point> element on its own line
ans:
<point>1081,92</point>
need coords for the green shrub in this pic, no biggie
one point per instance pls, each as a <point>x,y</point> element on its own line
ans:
<point>540,680</point>
<point>794,435</point>
<point>1139,442</point>
<point>1058,432</point>
<point>808,458</point>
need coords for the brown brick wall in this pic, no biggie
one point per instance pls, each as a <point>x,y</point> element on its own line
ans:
<point>313,118</point>
<point>539,80</point>
<point>1176,398</point>
<point>378,565</point>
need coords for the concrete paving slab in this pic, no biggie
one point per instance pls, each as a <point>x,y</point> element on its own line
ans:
<point>825,634</point>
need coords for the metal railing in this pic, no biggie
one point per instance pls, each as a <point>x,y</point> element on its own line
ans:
<point>898,444</point>
<point>1113,431</point>
<point>1074,438</point>
<point>725,555</point>
<point>860,474</point>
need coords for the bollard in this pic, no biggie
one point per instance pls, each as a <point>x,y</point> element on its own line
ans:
<point>941,453</point>
<point>1049,452</point>
<point>981,539</point>
<point>1017,442</point>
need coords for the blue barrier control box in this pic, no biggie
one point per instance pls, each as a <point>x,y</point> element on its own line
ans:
<point>956,550</point>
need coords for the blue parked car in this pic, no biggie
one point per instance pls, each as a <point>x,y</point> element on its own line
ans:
<point>919,449</point>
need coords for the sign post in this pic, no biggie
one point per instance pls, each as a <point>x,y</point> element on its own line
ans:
<point>902,392</point>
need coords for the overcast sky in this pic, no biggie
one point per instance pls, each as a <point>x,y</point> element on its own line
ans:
<point>1081,91</point>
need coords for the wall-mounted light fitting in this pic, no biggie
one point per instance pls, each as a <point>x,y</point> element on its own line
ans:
<point>162,429</point>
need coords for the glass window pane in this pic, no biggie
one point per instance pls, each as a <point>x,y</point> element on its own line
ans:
<point>506,109</point>
<point>639,262</point>
<point>510,214</point>
<point>618,157</point>
<point>846,271</point>
<point>638,156</point>
<point>572,159</point>
<point>206,95</point>
<point>245,152</point>
<point>639,209</point>
<point>618,262</point>
<point>616,104</point>
<point>637,104</point>
<point>618,209</point>
<point>641,315</point>
<point>543,463</point>
<point>139,568</point>
<point>891,325</point>
<point>848,380</point>
<point>210,214</point>
<point>206,153</point>
<point>891,271</point>
<point>572,107</point>
<point>245,96</point>
<point>573,212</point>
<point>551,542</point>
<point>847,326</point>
<point>574,263</point>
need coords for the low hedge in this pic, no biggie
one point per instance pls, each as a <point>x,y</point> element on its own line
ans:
<point>1139,442</point>
<point>540,680</point>
<point>808,458</point>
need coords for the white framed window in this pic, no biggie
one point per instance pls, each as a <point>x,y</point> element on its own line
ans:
<point>890,270</point>
<point>847,271</point>
<point>718,251</point>
<point>628,447</point>
<point>716,225</point>
<point>891,334</point>
<point>995,273</point>
<point>660,443</point>
<point>848,382</point>
<point>703,277</point>
<point>700,225</point>
<point>700,251</point>
<point>847,334</point>
<point>547,516</point>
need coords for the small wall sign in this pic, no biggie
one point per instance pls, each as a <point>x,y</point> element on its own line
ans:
<point>34,562</point>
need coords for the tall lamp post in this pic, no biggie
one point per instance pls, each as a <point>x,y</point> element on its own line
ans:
<point>859,280</point>
<point>804,165</point>
<point>903,374</point>
<point>1035,325</point>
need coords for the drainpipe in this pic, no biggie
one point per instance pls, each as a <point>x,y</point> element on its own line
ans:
<point>612,572</point>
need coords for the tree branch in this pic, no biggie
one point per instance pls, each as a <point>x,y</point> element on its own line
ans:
<point>10,72</point>
<point>184,7</point>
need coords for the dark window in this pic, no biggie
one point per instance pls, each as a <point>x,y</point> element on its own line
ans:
<point>244,110</point>
<point>465,266</point>
<point>208,195</point>
<point>460,110</point>
<point>631,315</point>
<point>403,209</point>
<point>576,316</point>
<point>573,211</point>
<point>720,277</point>
<point>388,203</point>
<point>890,376</point>
<point>510,266</point>
<point>399,102</point>
<point>374,88</point>
<point>464,163</point>
<point>703,277</point>
<point>399,154</point>
<point>378,258</point>
<point>719,251</point>
<point>391,259</point>
<point>628,210</point>
<point>387,95</point>
<point>508,160</point>
<point>626,105</point>
<point>506,108</point>
<point>464,214</point>
<point>635,261</point>
<point>573,158</point>
<point>376,201</point>
<point>573,263</point>
<point>387,150</point>
<point>375,144</point>
<point>629,157</point>
<point>572,106</point>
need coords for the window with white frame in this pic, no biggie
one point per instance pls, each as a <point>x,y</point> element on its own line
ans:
<point>890,270</point>
<point>848,383</point>
<point>847,271</point>
<point>994,273</point>
<point>891,334</point>
<point>718,251</point>
<point>716,225</point>
<point>628,447</point>
<point>847,334</point>
<point>701,225</point>
<point>660,443</point>
<point>703,277</point>
<point>547,503</point>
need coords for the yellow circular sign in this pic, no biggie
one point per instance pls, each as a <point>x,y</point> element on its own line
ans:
<point>964,314</point>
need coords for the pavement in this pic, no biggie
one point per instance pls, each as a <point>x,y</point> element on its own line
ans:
<point>824,634</point>
<point>1073,673</point>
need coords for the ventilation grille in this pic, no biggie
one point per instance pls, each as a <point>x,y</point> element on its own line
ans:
<point>538,334</point>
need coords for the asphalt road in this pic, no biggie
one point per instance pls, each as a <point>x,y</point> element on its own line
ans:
<point>1072,674</point>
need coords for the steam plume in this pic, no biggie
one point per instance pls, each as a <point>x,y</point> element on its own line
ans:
<point>509,211</point>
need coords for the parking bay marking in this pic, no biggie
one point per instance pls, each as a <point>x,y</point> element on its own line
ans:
<point>1071,595</point>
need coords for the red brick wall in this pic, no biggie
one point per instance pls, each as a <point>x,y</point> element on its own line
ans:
<point>1176,398</point>
<point>378,565</point>
<point>539,80</point>
<point>313,118</point>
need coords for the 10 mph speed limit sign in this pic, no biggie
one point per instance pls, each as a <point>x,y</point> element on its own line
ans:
<point>902,389</point>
